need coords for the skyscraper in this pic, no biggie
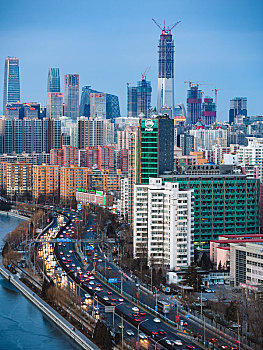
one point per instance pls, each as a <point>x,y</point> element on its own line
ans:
<point>208,111</point>
<point>53,81</point>
<point>194,105</point>
<point>54,105</point>
<point>98,105</point>
<point>165,96</point>
<point>139,98</point>
<point>11,91</point>
<point>71,96</point>
<point>238,106</point>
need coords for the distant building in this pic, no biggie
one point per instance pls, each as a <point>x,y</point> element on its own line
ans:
<point>98,105</point>
<point>53,81</point>
<point>54,105</point>
<point>208,113</point>
<point>186,142</point>
<point>100,198</point>
<point>16,178</point>
<point>112,104</point>
<point>11,92</point>
<point>238,106</point>
<point>139,99</point>
<point>22,110</point>
<point>71,96</point>
<point>194,105</point>
<point>46,180</point>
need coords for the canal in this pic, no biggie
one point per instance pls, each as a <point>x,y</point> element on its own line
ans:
<point>22,325</point>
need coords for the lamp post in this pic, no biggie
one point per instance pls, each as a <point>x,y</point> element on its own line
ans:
<point>155,348</point>
<point>139,328</point>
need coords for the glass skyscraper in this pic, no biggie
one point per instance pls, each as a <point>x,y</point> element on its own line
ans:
<point>71,96</point>
<point>11,91</point>
<point>53,80</point>
<point>238,106</point>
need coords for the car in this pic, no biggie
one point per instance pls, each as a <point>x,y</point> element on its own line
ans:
<point>100,285</point>
<point>135,309</point>
<point>92,277</point>
<point>136,320</point>
<point>98,289</point>
<point>63,258</point>
<point>162,332</point>
<point>208,290</point>
<point>142,335</point>
<point>189,347</point>
<point>89,287</point>
<point>168,342</point>
<point>99,260</point>
<point>178,342</point>
<point>109,293</point>
<point>106,298</point>
<point>130,332</point>
<point>135,315</point>
<point>224,347</point>
<point>121,325</point>
<point>185,323</point>
<point>74,265</point>
<point>61,253</point>
<point>120,300</point>
<point>67,265</point>
<point>91,282</point>
<point>156,320</point>
<point>154,334</point>
<point>109,268</point>
<point>113,304</point>
<point>142,313</point>
<point>113,299</point>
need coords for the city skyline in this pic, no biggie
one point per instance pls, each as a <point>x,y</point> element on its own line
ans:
<point>229,55</point>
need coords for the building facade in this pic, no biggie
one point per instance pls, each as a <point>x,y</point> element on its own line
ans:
<point>163,228</point>
<point>54,105</point>
<point>238,106</point>
<point>71,96</point>
<point>53,80</point>
<point>46,180</point>
<point>11,92</point>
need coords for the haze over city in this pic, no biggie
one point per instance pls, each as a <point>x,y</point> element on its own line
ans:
<point>111,43</point>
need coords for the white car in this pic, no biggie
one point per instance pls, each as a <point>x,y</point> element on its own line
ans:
<point>92,278</point>
<point>121,300</point>
<point>91,282</point>
<point>156,320</point>
<point>178,342</point>
<point>130,332</point>
<point>120,325</point>
<point>168,342</point>
<point>98,289</point>
<point>142,335</point>
<point>135,309</point>
<point>106,298</point>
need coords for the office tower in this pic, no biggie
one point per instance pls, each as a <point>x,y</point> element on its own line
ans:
<point>194,105</point>
<point>238,106</point>
<point>54,105</point>
<point>22,110</point>
<point>37,135</point>
<point>11,91</point>
<point>225,202</point>
<point>45,181</point>
<point>53,81</point>
<point>139,99</point>
<point>165,94</point>
<point>71,96</point>
<point>112,104</point>
<point>8,136</point>
<point>17,136</point>
<point>208,111</point>
<point>27,135</point>
<point>55,133</point>
<point>156,143</point>
<point>98,105</point>
<point>163,235</point>
<point>186,142</point>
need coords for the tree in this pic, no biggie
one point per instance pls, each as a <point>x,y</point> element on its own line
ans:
<point>219,266</point>
<point>192,278</point>
<point>231,312</point>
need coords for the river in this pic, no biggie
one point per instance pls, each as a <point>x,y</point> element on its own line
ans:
<point>22,325</point>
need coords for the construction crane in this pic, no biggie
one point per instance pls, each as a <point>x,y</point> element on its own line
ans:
<point>165,30</point>
<point>189,83</point>
<point>145,73</point>
<point>216,91</point>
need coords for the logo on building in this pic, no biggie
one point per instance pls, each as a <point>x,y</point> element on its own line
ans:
<point>149,123</point>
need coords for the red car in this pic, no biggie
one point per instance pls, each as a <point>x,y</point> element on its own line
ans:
<point>135,315</point>
<point>137,320</point>
<point>154,334</point>
<point>114,304</point>
<point>109,293</point>
<point>142,313</point>
<point>189,347</point>
<point>162,332</point>
<point>113,299</point>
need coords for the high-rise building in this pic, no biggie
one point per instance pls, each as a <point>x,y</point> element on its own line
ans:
<point>194,105</point>
<point>186,142</point>
<point>139,99</point>
<point>208,113</point>
<point>163,234</point>
<point>22,110</point>
<point>98,105</point>
<point>112,104</point>
<point>16,178</point>
<point>54,105</point>
<point>166,69</point>
<point>238,106</point>
<point>53,81</point>
<point>17,136</point>
<point>11,91</point>
<point>71,96</point>
<point>45,181</point>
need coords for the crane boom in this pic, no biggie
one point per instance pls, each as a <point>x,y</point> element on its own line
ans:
<point>176,24</point>
<point>158,25</point>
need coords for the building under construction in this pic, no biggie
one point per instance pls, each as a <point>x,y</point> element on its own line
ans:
<point>194,104</point>
<point>139,99</point>
<point>208,113</point>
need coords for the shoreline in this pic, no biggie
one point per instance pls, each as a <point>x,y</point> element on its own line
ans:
<point>46,309</point>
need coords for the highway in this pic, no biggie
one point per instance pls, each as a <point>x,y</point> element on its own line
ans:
<point>88,282</point>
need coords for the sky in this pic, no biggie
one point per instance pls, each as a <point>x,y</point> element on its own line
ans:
<point>111,42</point>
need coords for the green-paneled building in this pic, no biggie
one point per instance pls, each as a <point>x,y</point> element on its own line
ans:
<point>224,204</point>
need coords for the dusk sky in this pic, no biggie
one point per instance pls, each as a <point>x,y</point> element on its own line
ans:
<point>109,43</point>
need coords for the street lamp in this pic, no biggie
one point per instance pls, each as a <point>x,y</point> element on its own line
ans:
<point>158,342</point>
<point>139,327</point>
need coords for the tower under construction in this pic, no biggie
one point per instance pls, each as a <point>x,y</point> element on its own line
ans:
<point>194,105</point>
<point>165,95</point>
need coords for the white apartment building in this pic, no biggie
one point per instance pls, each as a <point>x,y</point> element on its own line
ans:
<point>252,154</point>
<point>163,224</point>
<point>206,138</point>
<point>123,203</point>
<point>246,263</point>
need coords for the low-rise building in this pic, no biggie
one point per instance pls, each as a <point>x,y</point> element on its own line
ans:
<point>95,197</point>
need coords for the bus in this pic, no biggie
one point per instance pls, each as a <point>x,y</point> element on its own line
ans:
<point>163,307</point>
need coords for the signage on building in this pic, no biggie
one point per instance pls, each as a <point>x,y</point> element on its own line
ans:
<point>89,247</point>
<point>149,124</point>
<point>79,206</point>
<point>112,280</point>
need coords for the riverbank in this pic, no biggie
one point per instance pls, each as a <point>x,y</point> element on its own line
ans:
<point>46,309</point>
